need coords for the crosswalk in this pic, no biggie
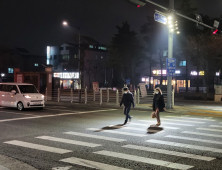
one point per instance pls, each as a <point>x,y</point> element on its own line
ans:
<point>179,144</point>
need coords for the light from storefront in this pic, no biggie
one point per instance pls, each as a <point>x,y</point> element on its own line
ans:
<point>164,72</point>
<point>158,72</point>
<point>73,75</point>
<point>194,73</point>
<point>145,79</point>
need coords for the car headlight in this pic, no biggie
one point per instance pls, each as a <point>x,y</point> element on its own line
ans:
<point>43,96</point>
<point>27,96</point>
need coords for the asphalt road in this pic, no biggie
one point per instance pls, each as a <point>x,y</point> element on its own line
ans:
<point>83,137</point>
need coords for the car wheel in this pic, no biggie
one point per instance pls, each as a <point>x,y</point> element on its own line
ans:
<point>20,106</point>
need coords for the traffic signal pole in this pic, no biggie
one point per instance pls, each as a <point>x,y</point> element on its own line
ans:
<point>170,55</point>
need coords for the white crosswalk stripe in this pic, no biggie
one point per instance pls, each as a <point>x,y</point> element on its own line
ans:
<point>117,132</point>
<point>38,147</point>
<point>183,121</point>
<point>165,127</point>
<point>144,160</point>
<point>212,130</point>
<point>95,136</point>
<point>197,147</point>
<point>216,126</point>
<point>68,141</point>
<point>202,134</point>
<point>167,152</point>
<point>163,123</point>
<point>91,164</point>
<point>141,129</point>
<point>194,139</point>
<point>183,117</point>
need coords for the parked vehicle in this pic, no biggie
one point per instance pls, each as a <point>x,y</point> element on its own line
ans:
<point>20,95</point>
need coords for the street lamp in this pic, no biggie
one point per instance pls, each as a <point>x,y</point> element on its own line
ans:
<point>65,23</point>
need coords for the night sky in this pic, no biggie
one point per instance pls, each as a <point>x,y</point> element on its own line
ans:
<point>34,24</point>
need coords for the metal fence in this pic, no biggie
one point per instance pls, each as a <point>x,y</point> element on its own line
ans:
<point>102,96</point>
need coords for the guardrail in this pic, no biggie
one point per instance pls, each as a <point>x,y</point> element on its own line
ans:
<point>101,96</point>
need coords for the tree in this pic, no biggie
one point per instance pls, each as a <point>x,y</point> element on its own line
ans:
<point>125,53</point>
<point>209,56</point>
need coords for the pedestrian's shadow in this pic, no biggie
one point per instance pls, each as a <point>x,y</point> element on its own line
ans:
<point>110,127</point>
<point>154,129</point>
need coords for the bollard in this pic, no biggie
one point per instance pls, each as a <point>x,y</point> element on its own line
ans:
<point>135,97</point>
<point>71,95</point>
<point>58,95</point>
<point>107,94</point>
<point>101,97</point>
<point>117,97</point>
<point>86,95</point>
<point>138,96</point>
<point>172,97</point>
<point>94,95</point>
<point>46,93</point>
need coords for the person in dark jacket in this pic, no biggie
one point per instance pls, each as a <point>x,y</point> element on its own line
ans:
<point>158,104</point>
<point>127,100</point>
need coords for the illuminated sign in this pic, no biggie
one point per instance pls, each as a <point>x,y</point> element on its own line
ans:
<point>177,71</point>
<point>73,75</point>
<point>158,72</point>
<point>48,54</point>
<point>194,73</point>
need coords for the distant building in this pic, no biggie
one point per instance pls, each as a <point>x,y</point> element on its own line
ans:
<point>11,58</point>
<point>65,61</point>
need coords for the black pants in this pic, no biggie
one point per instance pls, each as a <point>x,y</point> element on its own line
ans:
<point>126,112</point>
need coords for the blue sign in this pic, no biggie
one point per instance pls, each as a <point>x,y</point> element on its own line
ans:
<point>160,18</point>
<point>171,66</point>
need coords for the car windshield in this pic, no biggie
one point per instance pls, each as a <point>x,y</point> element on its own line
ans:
<point>27,89</point>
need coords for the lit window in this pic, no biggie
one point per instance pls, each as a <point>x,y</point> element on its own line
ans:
<point>194,73</point>
<point>75,56</point>
<point>143,79</point>
<point>10,70</point>
<point>177,71</point>
<point>163,71</point>
<point>158,72</point>
<point>90,46</point>
<point>182,63</point>
<point>102,48</point>
<point>101,57</point>
<point>36,64</point>
<point>201,73</point>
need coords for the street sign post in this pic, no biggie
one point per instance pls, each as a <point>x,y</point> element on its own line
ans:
<point>160,18</point>
<point>170,66</point>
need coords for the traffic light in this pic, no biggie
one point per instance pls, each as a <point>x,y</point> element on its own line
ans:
<point>215,31</point>
<point>138,3</point>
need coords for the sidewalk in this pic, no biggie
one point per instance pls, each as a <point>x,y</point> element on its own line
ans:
<point>7,163</point>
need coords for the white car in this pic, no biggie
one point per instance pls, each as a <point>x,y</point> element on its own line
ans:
<point>20,95</point>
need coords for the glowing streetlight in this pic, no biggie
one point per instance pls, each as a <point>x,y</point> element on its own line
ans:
<point>65,23</point>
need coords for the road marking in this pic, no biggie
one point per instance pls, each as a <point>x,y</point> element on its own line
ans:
<point>55,115</point>
<point>91,164</point>
<point>144,160</point>
<point>202,134</point>
<point>182,120</point>
<point>18,113</point>
<point>205,114</point>
<point>141,124</point>
<point>62,168</point>
<point>203,148</point>
<point>38,147</point>
<point>167,152</point>
<point>144,130</point>
<point>74,142</point>
<point>216,126</point>
<point>194,139</point>
<point>207,129</point>
<point>95,136</point>
<point>182,117</point>
<point>169,123</point>
<point>117,132</point>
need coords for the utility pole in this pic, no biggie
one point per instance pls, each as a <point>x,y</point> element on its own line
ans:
<point>170,55</point>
